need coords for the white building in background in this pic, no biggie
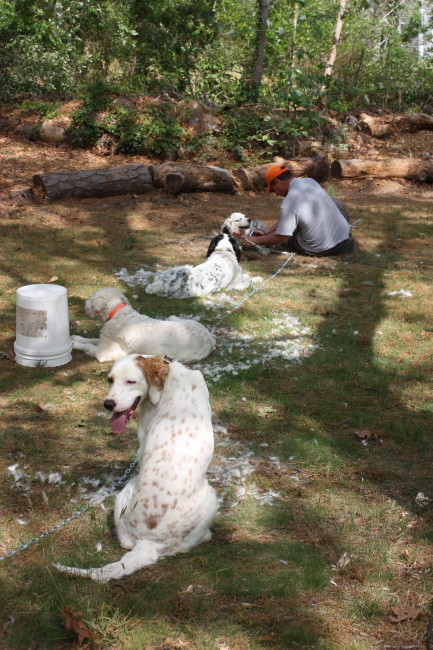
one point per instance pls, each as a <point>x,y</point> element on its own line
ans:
<point>423,43</point>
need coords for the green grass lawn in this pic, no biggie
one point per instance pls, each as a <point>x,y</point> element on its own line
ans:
<point>321,396</point>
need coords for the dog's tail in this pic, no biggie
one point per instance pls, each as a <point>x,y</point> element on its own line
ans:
<point>144,553</point>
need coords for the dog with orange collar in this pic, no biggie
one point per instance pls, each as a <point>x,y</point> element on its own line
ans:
<point>125,331</point>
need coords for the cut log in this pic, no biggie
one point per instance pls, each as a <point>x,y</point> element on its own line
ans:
<point>380,126</point>
<point>253,178</point>
<point>386,168</point>
<point>128,179</point>
<point>21,196</point>
<point>181,177</point>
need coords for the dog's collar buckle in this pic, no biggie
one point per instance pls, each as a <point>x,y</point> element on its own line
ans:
<point>115,310</point>
<point>167,358</point>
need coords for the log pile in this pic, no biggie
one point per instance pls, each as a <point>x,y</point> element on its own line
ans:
<point>253,178</point>
<point>408,168</point>
<point>173,177</point>
<point>381,126</point>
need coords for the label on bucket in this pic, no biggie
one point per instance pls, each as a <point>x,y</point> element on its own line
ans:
<point>32,322</point>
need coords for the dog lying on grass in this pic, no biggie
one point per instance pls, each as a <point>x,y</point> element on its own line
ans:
<point>220,271</point>
<point>126,331</point>
<point>168,506</point>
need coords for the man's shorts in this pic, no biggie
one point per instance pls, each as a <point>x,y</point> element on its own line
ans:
<point>344,247</point>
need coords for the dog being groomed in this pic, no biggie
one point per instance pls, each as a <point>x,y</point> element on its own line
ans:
<point>126,331</point>
<point>220,271</point>
<point>168,506</point>
<point>238,224</point>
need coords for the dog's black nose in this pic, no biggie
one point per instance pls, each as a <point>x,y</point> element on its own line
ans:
<point>109,404</point>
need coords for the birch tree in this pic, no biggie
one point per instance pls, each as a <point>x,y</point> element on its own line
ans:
<point>336,38</point>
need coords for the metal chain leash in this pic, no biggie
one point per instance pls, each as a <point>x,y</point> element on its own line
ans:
<point>121,481</point>
<point>92,502</point>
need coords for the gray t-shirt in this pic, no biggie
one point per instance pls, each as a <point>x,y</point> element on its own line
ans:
<point>311,212</point>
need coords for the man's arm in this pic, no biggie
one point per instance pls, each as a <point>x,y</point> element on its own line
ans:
<point>271,229</point>
<point>271,239</point>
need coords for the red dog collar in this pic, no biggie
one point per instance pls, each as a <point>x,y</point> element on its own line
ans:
<point>116,309</point>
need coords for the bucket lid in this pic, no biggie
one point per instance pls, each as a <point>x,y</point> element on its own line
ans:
<point>45,291</point>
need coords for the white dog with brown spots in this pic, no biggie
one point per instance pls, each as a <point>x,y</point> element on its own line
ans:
<point>168,506</point>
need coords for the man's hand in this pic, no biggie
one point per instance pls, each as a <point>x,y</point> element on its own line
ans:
<point>246,243</point>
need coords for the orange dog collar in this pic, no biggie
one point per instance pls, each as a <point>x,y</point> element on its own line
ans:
<point>116,309</point>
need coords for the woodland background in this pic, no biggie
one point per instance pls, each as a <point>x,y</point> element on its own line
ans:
<point>273,70</point>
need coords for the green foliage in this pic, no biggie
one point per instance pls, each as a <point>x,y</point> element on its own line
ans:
<point>85,129</point>
<point>153,131</point>
<point>170,37</point>
<point>164,132</point>
<point>204,49</point>
<point>29,107</point>
<point>48,49</point>
<point>262,130</point>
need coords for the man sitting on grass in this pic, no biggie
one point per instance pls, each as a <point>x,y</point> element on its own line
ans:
<point>310,222</point>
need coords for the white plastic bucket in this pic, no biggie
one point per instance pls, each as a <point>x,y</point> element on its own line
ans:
<point>42,326</point>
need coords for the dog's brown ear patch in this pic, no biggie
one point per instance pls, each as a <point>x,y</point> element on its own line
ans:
<point>154,369</point>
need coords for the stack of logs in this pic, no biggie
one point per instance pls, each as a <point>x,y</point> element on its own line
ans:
<point>177,177</point>
<point>420,169</point>
<point>171,176</point>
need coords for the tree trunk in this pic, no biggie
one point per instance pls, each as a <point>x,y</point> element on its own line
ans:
<point>128,179</point>
<point>387,124</point>
<point>180,177</point>
<point>292,54</point>
<point>387,168</point>
<point>253,178</point>
<point>336,39</point>
<point>261,41</point>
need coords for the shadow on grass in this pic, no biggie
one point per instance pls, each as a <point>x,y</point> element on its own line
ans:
<point>266,587</point>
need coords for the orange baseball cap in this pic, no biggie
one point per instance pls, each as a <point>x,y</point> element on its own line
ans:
<point>273,172</point>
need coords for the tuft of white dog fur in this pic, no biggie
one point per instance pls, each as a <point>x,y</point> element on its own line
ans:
<point>238,224</point>
<point>127,331</point>
<point>220,271</point>
<point>168,506</point>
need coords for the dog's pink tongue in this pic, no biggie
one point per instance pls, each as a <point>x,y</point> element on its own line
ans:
<point>118,421</point>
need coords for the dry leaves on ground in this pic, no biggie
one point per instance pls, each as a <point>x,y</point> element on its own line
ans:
<point>75,622</point>
<point>404,613</point>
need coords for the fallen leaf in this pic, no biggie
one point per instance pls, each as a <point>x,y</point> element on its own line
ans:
<point>53,279</point>
<point>74,622</point>
<point>403,613</point>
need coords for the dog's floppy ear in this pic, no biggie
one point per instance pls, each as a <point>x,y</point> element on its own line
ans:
<point>236,248</point>
<point>156,370</point>
<point>154,394</point>
<point>213,244</point>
